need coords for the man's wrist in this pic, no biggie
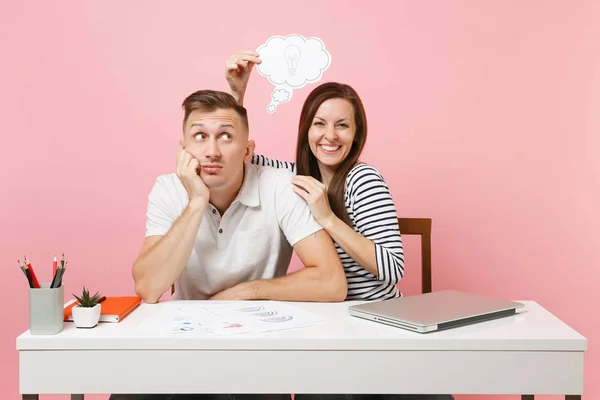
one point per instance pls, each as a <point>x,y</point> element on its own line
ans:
<point>253,289</point>
<point>197,205</point>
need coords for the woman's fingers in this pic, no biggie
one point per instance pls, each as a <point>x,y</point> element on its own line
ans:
<point>309,183</point>
<point>300,192</point>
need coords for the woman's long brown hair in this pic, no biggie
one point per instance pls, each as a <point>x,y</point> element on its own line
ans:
<point>306,162</point>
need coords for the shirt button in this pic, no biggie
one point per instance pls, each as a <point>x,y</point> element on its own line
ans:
<point>220,230</point>
<point>214,211</point>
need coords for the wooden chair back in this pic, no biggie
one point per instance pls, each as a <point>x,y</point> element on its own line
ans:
<point>421,227</point>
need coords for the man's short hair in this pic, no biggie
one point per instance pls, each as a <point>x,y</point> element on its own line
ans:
<point>212,100</point>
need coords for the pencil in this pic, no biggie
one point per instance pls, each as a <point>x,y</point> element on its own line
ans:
<point>26,270</point>
<point>22,268</point>
<point>57,279</point>
<point>54,279</point>
<point>36,284</point>
<point>62,272</point>
<point>54,266</point>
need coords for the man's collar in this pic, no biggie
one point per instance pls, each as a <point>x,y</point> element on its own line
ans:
<point>248,194</point>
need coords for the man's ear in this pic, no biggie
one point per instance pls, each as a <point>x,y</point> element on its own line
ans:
<point>249,150</point>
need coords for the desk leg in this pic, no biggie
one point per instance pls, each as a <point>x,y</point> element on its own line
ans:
<point>30,397</point>
<point>76,397</point>
<point>527,397</point>
<point>573,397</point>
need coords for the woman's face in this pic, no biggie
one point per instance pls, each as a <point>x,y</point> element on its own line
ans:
<point>332,132</point>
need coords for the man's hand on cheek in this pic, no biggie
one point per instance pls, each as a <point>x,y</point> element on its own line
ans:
<point>242,291</point>
<point>187,172</point>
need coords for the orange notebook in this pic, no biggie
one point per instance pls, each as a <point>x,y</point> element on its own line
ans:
<point>113,309</point>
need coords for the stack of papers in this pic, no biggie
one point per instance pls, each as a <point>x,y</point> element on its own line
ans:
<point>230,318</point>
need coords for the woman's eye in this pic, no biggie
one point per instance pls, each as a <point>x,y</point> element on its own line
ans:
<point>318,123</point>
<point>343,125</point>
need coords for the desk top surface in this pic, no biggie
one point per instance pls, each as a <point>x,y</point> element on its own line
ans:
<point>532,329</point>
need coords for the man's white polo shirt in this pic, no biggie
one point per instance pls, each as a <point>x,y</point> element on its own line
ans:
<point>253,239</point>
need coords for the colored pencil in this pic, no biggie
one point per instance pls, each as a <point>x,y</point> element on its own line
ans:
<point>22,268</point>
<point>26,270</point>
<point>62,272</point>
<point>54,279</point>
<point>34,279</point>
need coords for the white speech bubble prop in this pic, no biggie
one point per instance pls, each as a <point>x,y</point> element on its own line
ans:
<point>290,63</point>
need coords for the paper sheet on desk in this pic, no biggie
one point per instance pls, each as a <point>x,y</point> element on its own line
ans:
<point>230,318</point>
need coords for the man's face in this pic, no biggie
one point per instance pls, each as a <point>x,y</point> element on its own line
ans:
<point>219,140</point>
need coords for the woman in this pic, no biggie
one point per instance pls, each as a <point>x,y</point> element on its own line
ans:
<point>348,198</point>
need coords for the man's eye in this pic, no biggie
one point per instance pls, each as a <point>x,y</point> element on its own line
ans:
<point>226,136</point>
<point>199,136</point>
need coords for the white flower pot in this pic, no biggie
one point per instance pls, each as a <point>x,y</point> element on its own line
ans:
<point>86,317</point>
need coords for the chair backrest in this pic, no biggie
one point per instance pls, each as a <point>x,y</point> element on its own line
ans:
<point>421,227</point>
<point>413,226</point>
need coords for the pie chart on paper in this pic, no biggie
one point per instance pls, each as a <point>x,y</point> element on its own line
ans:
<point>277,318</point>
<point>250,309</point>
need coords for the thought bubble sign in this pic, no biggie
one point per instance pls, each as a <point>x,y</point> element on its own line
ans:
<point>290,63</point>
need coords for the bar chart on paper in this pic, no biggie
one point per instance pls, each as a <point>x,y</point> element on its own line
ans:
<point>229,318</point>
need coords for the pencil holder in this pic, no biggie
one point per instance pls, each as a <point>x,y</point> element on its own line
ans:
<point>46,310</point>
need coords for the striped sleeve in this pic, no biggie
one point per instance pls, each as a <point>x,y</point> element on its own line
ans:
<point>376,219</point>
<point>267,162</point>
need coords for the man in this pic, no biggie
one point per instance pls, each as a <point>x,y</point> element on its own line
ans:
<point>223,228</point>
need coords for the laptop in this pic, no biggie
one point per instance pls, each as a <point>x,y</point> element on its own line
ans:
<point>435,311</point>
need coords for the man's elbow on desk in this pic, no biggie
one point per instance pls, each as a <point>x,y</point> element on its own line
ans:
<point>331,284</point>
<point>323,267</point>
<point>146,291</point>
<point>332,275</point>
<point>337,287</point>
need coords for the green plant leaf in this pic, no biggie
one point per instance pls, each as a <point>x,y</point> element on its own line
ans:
<point>85,300</point>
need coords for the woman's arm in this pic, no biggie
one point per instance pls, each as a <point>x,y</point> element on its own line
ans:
<point>267,162</point>
<point>376,243</point>
<point>237,72</point>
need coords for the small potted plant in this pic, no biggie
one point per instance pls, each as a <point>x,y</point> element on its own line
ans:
<point>86,313</point>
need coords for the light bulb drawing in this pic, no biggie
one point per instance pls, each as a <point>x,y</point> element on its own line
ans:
<point>292,55</point>
<point>290,63</point>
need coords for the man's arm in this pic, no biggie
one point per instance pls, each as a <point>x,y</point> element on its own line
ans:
<point>163,258</point>
<point>168,244</point>
<point>322,279</point>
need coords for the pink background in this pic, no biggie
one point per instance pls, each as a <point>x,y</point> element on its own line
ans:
<point>484,116</point>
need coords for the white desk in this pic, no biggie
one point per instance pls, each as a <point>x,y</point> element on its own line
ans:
<point>530,353</point>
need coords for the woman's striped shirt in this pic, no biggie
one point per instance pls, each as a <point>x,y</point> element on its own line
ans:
<point>373,215</point>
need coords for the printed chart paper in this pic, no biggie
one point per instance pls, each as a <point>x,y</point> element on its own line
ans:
<point>230,318</point>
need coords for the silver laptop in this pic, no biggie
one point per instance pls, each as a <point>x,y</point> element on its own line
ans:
<point>435,311</point>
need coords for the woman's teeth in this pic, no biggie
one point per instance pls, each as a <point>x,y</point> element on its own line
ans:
<point>330,148</point>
